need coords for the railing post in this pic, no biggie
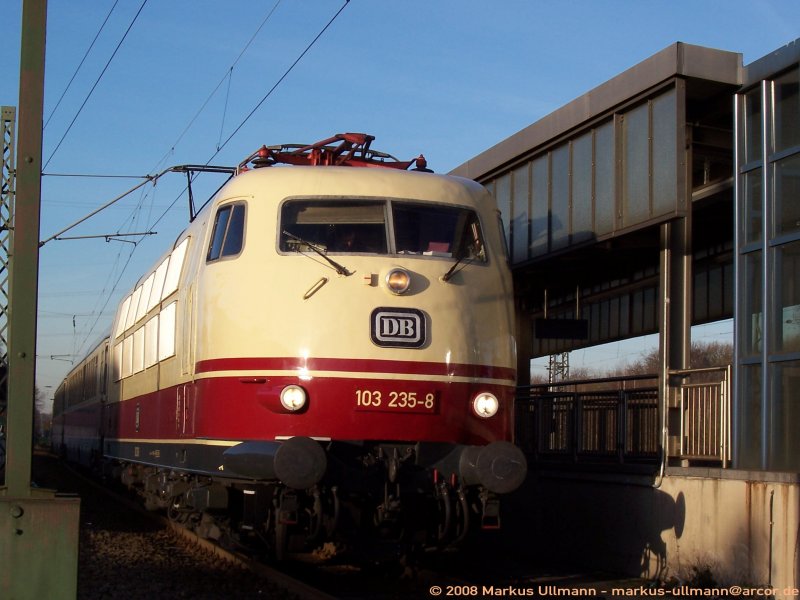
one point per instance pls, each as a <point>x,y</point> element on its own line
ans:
<point>536,423</point>
<point>622,413</point>
<point>577,421</point>
<point>682,439</point>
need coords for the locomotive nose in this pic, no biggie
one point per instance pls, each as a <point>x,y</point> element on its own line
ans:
<point>298,462</point>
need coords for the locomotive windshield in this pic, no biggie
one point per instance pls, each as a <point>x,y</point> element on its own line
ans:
<point>382,227</point>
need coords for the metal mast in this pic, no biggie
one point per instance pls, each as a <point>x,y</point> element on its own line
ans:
<point>38,531</point>
<point>8,121</point>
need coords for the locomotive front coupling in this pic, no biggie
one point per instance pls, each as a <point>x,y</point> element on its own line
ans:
<point>298,462</point>
<point>500,467</point>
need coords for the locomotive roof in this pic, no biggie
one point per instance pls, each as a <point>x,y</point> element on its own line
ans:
<point>348,181</point>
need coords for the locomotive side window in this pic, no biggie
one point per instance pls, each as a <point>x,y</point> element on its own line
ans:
<point>338,226</point>
<point>228,233</point>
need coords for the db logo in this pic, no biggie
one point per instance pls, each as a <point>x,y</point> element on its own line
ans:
<point>398,327</point>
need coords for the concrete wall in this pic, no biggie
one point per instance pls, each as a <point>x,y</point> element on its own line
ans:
<point>718,525</point>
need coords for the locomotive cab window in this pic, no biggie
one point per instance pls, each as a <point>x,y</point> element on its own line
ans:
<point>435,230</point>
<point>228,233</point>
<point>362,226</point>
<point>334,226</point>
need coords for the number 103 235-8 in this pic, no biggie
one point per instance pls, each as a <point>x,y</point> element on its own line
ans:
<point>378,400</point>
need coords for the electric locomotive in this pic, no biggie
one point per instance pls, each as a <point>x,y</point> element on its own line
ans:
<point>326,348</point>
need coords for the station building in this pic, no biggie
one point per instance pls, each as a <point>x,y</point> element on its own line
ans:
<point>665,198</point>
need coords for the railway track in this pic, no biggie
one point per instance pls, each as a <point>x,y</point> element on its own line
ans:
<point>127,552</point>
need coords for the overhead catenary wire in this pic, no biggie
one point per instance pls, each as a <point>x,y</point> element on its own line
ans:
<point>227,76</point>
<point>280,80</point>
<point>97,81</point>
<point>80,64</point>
<point>106,205</point>
<point>218,149</point>
<point>260,102</point>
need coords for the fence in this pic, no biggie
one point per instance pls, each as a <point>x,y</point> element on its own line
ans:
<point>600,420</point>
<point>617,420</point>
<point>705,411</point>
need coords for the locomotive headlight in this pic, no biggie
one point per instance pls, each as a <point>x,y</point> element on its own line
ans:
<point>398,280</point>
<point>485,405</point>
<point>293,397</point>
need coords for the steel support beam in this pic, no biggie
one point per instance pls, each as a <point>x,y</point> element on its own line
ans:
<point>675,321</point>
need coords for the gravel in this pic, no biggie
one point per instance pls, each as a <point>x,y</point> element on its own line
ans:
<point>126,554</point>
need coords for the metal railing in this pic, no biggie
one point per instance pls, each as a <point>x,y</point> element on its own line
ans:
<point>612,420</point>
<point>705,415</point>
<point>617,420</point>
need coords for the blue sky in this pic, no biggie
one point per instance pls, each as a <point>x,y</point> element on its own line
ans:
<point>445,78</point>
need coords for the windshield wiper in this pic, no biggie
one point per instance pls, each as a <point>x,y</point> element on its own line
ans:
<point>452,271</point>
<point>340,269</point>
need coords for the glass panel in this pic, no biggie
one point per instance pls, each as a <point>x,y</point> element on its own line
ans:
<point>158,284</point>
<point>749,413</point>
<point>624,316</point>
<point>234,237</point>
<point>752,316</point>
<point>116,367</point>
<point>637,312</point>
<point>151,342</point>
<point>540,205</point>
<point>650,309</point>
<point>337,226</point>
<point>506,251</point>
<point>437,230</point>
<point>613,317</point>
<point>665,154</point>
<point>218,235</point>
<point>520,222</point>
<point>127,356</point>
<point>502,195</point>
<point>605,210</point>
<point>166,332</point>
<point>787,111</point>
<point>787,195</point>
<point>728,281</point>
<point>636,197</point>
<point>138,350</point>
<point>174,270</point>
<point>582,188</point>
<point>753,196</point>
<point>786,315</point>
<point>134,306</point>
<point>559,199</point>
<point>784,417</point>
<point>752,126</point>
<point>122,316</point>
<point>700,295</point>
<point>147,287</point>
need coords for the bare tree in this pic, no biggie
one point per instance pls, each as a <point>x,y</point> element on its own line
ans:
<point>41,419</point>
<point>703,355</point>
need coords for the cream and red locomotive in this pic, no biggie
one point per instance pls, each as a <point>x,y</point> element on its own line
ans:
<point>324,348</point>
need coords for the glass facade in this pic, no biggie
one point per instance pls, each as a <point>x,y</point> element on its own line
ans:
<point>767,409</point>
<point>617,174</point>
